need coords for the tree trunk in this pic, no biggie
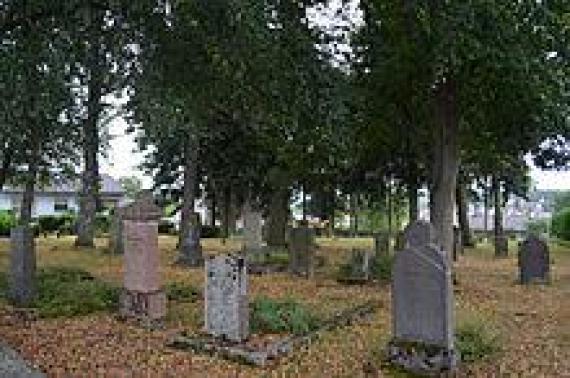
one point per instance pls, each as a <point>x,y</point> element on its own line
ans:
<point>413,202</point>
<point>445,163</point>
<point>486,210</point>
<point>5,169</point>
<point>29,187</point>
<point>278,216</point>
<point>500,250</point>
<point>389,208</point>
<point>304,204</point>
<point>353,216</point>
<point>90,186</point>
<point>190,252</point>
<point>463,216</point>
<point>213,210</point>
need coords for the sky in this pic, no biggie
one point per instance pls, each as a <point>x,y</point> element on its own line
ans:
<point>123,160</point>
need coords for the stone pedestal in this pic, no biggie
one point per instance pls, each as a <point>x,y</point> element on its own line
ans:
<point>22,266</point>
<point>226,301</point>
<point>301,251</point>
<point>142,297</point>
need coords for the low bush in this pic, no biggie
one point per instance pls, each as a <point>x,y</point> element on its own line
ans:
<point>102,223</point>
<point>281,316</point>
<point>67,292</point>
<point>476,341</point>
<point>7,222</point>
<point>166,227</point>
<point>210,232</point>
<point>381,267</point>
<point>561,224</point>
<point>55,223</point>
<point>180,292</point>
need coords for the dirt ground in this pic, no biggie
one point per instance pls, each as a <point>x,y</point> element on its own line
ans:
<point>533,322</point>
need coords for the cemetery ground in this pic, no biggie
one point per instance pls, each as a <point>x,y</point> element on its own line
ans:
<point>526,329</point>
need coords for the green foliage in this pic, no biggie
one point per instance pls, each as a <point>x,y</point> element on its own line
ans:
<point>54,223</point>
<point>131,185</point>
<point>537,227</point>
<point>210,232</point>
<point>562,201</point>
<point>180,292</point>
<point>7,221</point>
<point>67,292</point>
<point>476,341</point>
<point>281,316</point>
<point>166,227</point>
<point>102,223</point>
<point>381,267</point>
<point>561,224</point>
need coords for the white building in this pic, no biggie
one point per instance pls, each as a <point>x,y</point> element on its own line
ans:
<point>61,197</point>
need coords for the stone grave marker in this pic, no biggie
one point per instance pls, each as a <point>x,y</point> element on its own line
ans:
<point>359,266</point>
<point>302,251</point>
<point>116,245</point>
<point>534,260</point>
<point>422,305</point>
<point>226,301</point>
<point>142,297</point>
<point>22,265</point>
<point>382,243</point>
<point>191,249</point>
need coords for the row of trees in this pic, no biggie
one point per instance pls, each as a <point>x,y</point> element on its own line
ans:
<point>256,101</point>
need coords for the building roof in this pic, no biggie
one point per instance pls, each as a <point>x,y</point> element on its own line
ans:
<point>109,186</point>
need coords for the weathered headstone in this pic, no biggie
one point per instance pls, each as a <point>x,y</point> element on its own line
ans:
<point>142,297</point>
<point>191,250</point>
<point>382,243</point>
<point>302,251</point>
<point>534,260</point>
<point>501,246</point>
<point>22,265</point>
<point>422,305</point>
<point>116,245</point>
<point>252,222</point>
<point>226,301</point>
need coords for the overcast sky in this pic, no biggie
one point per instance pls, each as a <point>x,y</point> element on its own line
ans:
<point>123,161</point>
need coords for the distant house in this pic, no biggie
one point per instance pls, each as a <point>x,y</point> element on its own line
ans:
<point>61,198</point>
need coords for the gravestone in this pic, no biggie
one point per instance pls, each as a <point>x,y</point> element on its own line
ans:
<point>191,250</point>
<point>501,246</point>
<point>116,245</point>
<point>253,238</point>
<point>22,265</point>
<point>142,297</point>
<point>302,251</point>
<point>400,241</point>
<point>227,308</point>
<point>534,260</point>
<point>359,265</point>
<point>382,243</point>
<point>422,305</point>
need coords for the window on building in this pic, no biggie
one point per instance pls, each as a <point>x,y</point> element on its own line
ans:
<point>60,206</point>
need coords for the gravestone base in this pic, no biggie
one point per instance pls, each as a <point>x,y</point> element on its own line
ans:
<point>146,307</point>
<point>422,359</point>
<point>193,260</point>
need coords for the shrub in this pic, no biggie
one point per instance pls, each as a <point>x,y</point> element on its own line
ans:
<point>381,267</point>
<point>102,223</point>
<point>210,232</point>
<point>281,316</point>
<point>66,292</point>
<point>179,292</point>
<point>166,227</point>
<point>54,223</point>
<point>7,222</point>
<point>538,227</point>
<point>476,341</point>
<point>561,224</point>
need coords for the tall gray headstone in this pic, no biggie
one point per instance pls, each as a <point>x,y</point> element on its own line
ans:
<point>534,260</point>
<point>252,219</point>
<point>191,249</point>
<point>142,297</point>
<point>302,251</point>
<point>226,301</point>
<point>422,304</point>
<point>22,265</point>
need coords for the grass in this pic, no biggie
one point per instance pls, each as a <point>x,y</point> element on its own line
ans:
<point>281,316</point>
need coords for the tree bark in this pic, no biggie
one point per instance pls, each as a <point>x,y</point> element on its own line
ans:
<point>90,184</point>
<point>5,169</point>
<point>498,221</point>
<point>486,209</point>
<point>445,162</point>
<point>353,215</point>
<point>189,248</point>
<point>278,216</point>
<point>29,186</point>
<point>389,208</point>
<point>463,216</point>
<point>413,202</point>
